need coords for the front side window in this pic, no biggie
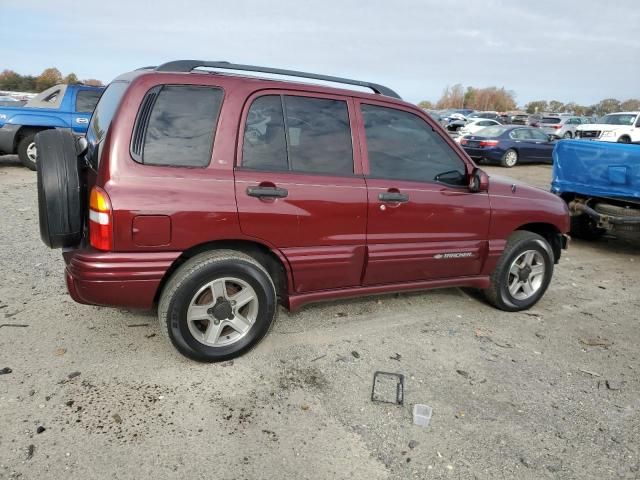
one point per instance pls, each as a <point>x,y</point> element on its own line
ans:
<point>300,134</point>
<point>521,134</point>
<point>402,146</point>
<point>86,100</point>
<point>181,126</point>
<point>538,135</point>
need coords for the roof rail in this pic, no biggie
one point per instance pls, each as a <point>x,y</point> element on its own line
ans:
<point>189,65</point>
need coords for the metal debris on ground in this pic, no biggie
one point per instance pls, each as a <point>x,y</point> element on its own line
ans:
<point>138,325</point>
<point>388,388</point>
<point>73,375</point>
<point>31,449</point>
<point>21,325</point>
<point>422,415</point>
<point>593,374</point>
<point>463,373</point>
<point>396,356</point>
<point>355,354</point>
<point>40,429</point>
<point>413,444</point>
<point>5,371</point>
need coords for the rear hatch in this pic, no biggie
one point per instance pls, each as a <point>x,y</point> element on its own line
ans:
<point>551,125</point>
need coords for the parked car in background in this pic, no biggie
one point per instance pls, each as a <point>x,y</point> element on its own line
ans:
<point>9,101</point>
<point>474,125</point>
<point>560,127</point>
<point>519,119</point>
<point>67,107</point>
<point>216,197</point>
<point>490,115</point>
<point>623,127</point>
<point>509,145</point>
<point>600,181</point>
<point>534,120</point>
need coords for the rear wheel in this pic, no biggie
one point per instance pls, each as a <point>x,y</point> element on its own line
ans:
<point>624,139</point>
<point>509,159</point>
<point>217,306</point>
<point>567,135</point>
<point>28,152</point>
<point>618,211</point>
<point>523,272</point>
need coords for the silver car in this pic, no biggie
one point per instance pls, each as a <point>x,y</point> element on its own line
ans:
<point>560,127</point>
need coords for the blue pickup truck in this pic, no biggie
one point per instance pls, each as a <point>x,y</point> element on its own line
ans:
<point>600,181</point>
<point>61,106</point>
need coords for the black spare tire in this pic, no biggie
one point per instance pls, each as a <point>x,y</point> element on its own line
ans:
<point>59,189</point>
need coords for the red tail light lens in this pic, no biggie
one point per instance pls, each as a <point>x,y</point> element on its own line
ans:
<point>489,143</point>
<point>556,126</point>
<point>464,141</point>
<point>100,220</point>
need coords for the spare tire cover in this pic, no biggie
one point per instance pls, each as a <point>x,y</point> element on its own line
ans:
<point>59,189</point>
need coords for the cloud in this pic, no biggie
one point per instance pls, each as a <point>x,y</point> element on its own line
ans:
<point>576,50</point>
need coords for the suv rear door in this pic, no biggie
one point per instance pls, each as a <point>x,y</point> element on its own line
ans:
<point>423,223</point>
<point>299,185</point>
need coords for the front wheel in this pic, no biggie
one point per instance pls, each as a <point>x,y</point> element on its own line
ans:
<point>509,159</point>
<point>523,272</point>
<point>217,306</point>
<point>27,151</point>
<point>567,135</point>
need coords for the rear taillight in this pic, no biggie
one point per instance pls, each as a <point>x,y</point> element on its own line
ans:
<point>464,141</point>
<point>489,143</point>
<point>100,220</point>
<point>556,126</point>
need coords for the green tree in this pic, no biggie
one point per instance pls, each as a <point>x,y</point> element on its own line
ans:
<point>537,106</point>
<point>426,104</point>
<point>48,78</point>
<point>608,105</point>
<point>71,79</point>
<point>556,106</point>
<point>9,80</point>
<point>93,81</point>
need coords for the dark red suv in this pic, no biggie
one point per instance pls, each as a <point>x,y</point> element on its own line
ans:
<point>213,197</point>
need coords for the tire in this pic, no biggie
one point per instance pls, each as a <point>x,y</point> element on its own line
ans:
<point>27,151</point>
<point>618,211</point>
<point>509,159</point>
<point>582,226</point>
<point>624,139</point>
<point>520,245</point>
<point>567,135</point>
<point>59,189</point>
<point>187,291</point>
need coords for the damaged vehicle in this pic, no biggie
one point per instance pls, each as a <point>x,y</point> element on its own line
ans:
<point>215,197</point>
<point>600,181</point>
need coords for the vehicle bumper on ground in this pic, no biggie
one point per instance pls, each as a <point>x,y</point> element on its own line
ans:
<point>128,280</point>
<point>7,137</point>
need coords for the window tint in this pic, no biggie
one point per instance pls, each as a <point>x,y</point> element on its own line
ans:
<point>521,134</point>
<point>538,135</point>
<point>86,100</point>
<point>182,126</point>
<point>485,123</point>
<point>264,145</point>
<point>402,146</point>
<point>101,119</point>
<point>317,137</point>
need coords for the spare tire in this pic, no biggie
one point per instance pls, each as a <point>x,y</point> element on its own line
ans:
<point>59,189</point>
<point>618,211</point>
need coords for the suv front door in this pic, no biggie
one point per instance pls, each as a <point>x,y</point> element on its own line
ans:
<point>299,185</point>
<point>423,223</point>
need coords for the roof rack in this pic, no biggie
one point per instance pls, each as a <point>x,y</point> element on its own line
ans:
<point>189,65</point>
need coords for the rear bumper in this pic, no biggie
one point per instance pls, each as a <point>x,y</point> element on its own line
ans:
<point>7,137</point>
<point>115,279</point>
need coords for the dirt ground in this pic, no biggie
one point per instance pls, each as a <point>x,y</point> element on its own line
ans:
<point>549,393</point>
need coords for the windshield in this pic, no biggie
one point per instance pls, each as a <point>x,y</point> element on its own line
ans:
<point>101,119</point>
<point>619,119</point>
<point>491,132</point>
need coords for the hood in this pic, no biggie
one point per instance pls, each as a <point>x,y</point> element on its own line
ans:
<point>603,126</point>
<point>501,185</point>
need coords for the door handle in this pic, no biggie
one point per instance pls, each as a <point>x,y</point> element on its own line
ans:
<point>393,197</point>
<point>82,120</point>
<point>267,192</point>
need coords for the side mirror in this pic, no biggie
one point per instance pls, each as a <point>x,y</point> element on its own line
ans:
<point>478,181</point>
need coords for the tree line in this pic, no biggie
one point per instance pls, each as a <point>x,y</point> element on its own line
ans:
<point>503,100</point>
<point>12,81</point>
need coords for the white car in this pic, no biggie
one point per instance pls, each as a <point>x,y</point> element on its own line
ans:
<point>475,125</point>
<point>623,127</point>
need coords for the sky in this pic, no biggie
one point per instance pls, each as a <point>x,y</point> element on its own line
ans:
<point>569,50</point>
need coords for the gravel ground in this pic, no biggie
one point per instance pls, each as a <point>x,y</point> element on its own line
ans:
<point>549,393</point>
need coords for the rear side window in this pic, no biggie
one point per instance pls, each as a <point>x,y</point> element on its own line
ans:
<point>301,134</point>
<point>86,100</point>
<point>402,146</point>
<point>550,120</point>
<point>179,127</point>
